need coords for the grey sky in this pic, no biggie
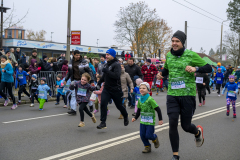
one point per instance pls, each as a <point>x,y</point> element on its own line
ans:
<point>95,18</point>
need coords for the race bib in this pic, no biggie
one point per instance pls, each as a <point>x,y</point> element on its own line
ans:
<point>158,82</point>
<point>199,80</point>
<point>231,94</point>
<point>82,92</point>
<point>20,76</point>
<point>147,117</point>
<point>41,93</point>
<point>178,83</point>
<point>219,78</point>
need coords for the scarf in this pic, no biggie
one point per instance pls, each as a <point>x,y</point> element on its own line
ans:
<point>3,65</point>
<point>103,62</point>
<point>178,52</point>
<point>144,98</point>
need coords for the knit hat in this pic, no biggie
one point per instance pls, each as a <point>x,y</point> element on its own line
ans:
<point>34,76</point>
<point>181,36</point>
<point>44,56</point>
<point>3,56</point>
<point>34,50</point>
<point>219,64</point>
<point>135,77</point>
<point>103,55</point>
<point>139,81</point>
<point>231,76</point>
<point>219,69</point>
<point>146,84</point>
<point>148,60</point>
<point>112,52</point>
<point>59,76</point>
<point>44,79</point>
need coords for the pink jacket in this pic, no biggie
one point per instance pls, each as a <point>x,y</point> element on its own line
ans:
<point>99,93</point>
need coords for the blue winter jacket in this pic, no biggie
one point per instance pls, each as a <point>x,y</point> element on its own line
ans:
<point>66,87</point>
<point>231,87</point>
<point>219,78</point>
<point>92,68</point>
<point>223,69</point>
<point>60,88</point>
<point>42,91</point>
<point>137,93</point>
<point>238,83</point>
<point>7,76</point>
<point>21,77</point>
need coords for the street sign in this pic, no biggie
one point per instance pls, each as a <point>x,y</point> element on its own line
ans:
<point>76,37</point>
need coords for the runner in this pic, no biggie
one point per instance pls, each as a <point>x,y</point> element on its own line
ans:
<point>181,64</point>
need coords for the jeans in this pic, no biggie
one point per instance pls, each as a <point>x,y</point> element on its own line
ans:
<point>58,98</point>
<point>33,94</point>
<point>147,133</point>
<point>131,98</point>
<point>165,82</point>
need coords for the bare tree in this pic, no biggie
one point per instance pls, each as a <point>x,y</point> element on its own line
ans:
<point>38,35</point>
<point>130,20</point>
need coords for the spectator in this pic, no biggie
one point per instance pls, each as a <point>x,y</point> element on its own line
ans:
<point>96,62</point>
<point>127,56</point>
<point>101,65</point>
<point>56,65</point>
<point>64,68</point>
<point>149,71</point>
<point>33,56</point>
<point>123,54</point>
<point>13,56</point>
<point>33,68</point>
<point>131,54</point>
<point>23,59</point>
<point>17,55</point>
<point>85,57</point>
<point>237,73</point>
<point>2,52</point>
<point>46,66</point>
<point>91,66</point>
<point>120,60</point>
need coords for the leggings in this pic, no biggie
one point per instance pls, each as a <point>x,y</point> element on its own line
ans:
<point>201,94</point>
<point>22,88</point>
<point>83,107</point>
<point>233,105</point>
<point>9,88</point>
<point>173,131</point>
<point>63,96</point>
<point>33,94</point>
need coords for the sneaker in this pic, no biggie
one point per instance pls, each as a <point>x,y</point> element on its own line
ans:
<point>235,115</point>
<point>18,103</point>
<point>219,95</point>
<point>72,112</point>
<point>134,114</point>
<point>81,124</point>
<point>126,121</point>
<point>147,149</point>
<point>120,117</point>
<point>175,157</point>
<point>14,106</point>
<point>204,102</point>
<point>6,102</point>
<point>57,103</point>
<point>156,93</point>
<point>93,118</point>
<point>65,106</point>
<point>91,108</point>
<point>110,102</point>
<point>132,107</point>
<point>40,109</point>
<point>156,143</point>
<point>95,111</point>
<point>227,113</point>
<point>108,112</point>
<point>102,125</point>
<point>200,104</point>
<point>32,105</point>
<point>199,139</point>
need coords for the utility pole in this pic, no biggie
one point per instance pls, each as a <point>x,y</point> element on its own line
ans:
<point>186,33</point>
<point>51,36</point>
<point>221,39</point>
<point>97,42</point>
<point>68,30</point>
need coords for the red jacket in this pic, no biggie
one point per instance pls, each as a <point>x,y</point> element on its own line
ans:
<point>148,77</point>
<point>127,56</point>
<point>161,84</point>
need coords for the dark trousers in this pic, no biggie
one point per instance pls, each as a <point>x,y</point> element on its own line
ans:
<point>117,99</point>
<point>147,133</point>
<point>58,98</point>
<point>33,95</point>
<point>131,98</point>
<point>218,87</point>
<point>165,82</point>
<point>201,94</point>
<point>83,107</point>
<point>7,85</point>
<point>22,88</point>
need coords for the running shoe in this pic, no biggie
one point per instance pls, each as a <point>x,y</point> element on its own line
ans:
<point>227,113</point>
<point>40,109</point>
<point>126,121</point>
<point>120,117</point>
<point>156,93</point>
<point>204,102</point>
<point>156,143</point>
<point>18,103</point>
<point>93,118</point>
<point>95,111</point>
<point>102,125</point>
<point>91,108</point>
<point>219,95</point>
<point>108,112</point>
<point>6,102</point>
<point>199,139</point>
<point>147,149</point>
<point>200,104</point>
<point>14,106</point>
<point>57,103</point>
<point>134,114</point>
<point>175,157</point>
<point>81,124</point>
<point>65,106</point>
<point>235,115</point>
<point>32,105</point>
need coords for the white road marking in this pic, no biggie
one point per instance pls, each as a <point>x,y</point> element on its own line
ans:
<point>134,135</point>
<point>34,118</point>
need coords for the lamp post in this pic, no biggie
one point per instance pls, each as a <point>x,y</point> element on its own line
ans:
<point>68,30</point>
<point>221,38</point>
<point>3,9</point>
<point>51,36</point>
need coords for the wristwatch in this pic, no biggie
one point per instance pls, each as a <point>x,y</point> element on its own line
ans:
<point>197,68</point>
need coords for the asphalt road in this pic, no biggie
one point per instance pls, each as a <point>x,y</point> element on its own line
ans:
<point>29,134</point>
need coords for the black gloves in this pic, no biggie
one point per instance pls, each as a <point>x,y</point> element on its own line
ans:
<point>105,70</point>
<point>87,69</point>
<point>98,87</point>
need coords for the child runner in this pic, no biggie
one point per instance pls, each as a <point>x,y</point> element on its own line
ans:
<point>159,84</point>
<point>67,92</point>
<point>147,107</point>
<point>82,91</point>
<point>33,89</point>
<point>42,90</point>
<point>238,83</point>
<point>59,85</point>
<point>21,78</point>
<point>231,96</point>
<point>219,80</point>
<point>201,80</point>
<point>137,94</point>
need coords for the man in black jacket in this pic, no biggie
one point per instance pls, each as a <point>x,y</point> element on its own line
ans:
<point>17,55</point>
<point>112,88</point>
<point>133,70</point>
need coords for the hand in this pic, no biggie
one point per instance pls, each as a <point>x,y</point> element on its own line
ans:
<point>204,84</point>
<point>131,90</point>
<point>28,72</point>
<point>133,119</point>
<point>51,64</point>
<point>57,86</point>
<point>97,74</point>
<point>92,84</point>
<point>105,70</point>
<point>160,122</point>
<point>145,72</point>
<point>16,64</point>
<point>64,82</point>
<point>159,76</point>
<point>94,92</point>
<point>234,92</point>
<point>190,69</point>
<point>151,72</point>
<point>3,70</point>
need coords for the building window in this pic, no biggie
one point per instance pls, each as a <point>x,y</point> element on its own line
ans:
<point>19,34</point>
<point>9,34</point>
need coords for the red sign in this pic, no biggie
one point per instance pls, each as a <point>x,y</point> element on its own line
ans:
<point>76,37</point>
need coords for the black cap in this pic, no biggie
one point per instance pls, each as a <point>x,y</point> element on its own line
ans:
<point>148,60</point>
<point>181,36</point>
<point>103,55</point>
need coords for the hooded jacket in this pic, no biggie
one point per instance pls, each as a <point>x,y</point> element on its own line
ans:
<point>21,77</point>
<point>33,84</point>
<point>45,65</point>
<point>125,81</point>
<point>33,69</point>
<point>7,76</point>
<point>32,57</point>
<point>133,70</point>
<point>219,78</point>
<point>42,91</point>
<point>231,87</point>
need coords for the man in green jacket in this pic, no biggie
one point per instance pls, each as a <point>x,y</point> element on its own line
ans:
<point>180,65</point>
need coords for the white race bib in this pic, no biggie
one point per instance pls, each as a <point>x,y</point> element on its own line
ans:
<point>231,94</point>
<point>82,92</point>
<point>147,117</point>
<point>178,83</point>
<point>199,80</point>
<point>158,82</point>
